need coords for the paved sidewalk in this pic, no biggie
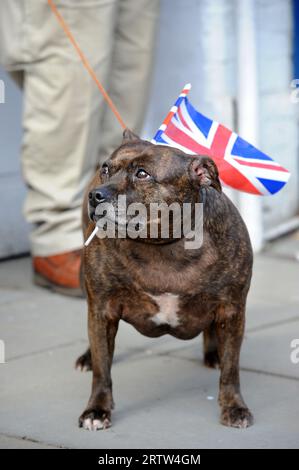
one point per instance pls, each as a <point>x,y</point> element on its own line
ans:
<point>164,396</point>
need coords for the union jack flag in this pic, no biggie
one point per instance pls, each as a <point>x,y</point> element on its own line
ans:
<point>241,166</point>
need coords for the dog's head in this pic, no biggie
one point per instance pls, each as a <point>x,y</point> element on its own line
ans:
<point>148,174</point>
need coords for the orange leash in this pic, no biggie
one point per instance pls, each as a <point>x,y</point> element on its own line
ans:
<point>86,63</point>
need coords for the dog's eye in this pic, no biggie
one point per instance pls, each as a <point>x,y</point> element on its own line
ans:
<point>142,174</point>
<point>105,169</point>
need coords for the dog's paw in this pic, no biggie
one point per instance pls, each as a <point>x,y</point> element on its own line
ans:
<point>83,363</point>
<point>94,420</point>
<point>211,359</point>
<point>236,417</point>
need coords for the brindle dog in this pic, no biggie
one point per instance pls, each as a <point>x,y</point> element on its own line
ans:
<point>159,286</point>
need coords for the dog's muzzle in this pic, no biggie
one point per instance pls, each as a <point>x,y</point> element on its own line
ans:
<point>95,197</point>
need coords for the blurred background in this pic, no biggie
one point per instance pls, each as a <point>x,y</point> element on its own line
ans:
<point>201,42</point>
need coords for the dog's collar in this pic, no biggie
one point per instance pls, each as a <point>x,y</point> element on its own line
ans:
<point>203,195</point>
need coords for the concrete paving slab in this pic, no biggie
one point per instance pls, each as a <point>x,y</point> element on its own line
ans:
<point>41,322</point>
<point>17,274</point>
<point>160,402</point>
<point>267,350</point>
<point>275,280</point>
<point>10,296</point>
<point>287,247</point>
<point>262,314</point>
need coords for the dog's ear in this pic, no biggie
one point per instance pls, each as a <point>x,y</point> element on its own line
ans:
<point>204,171</point>
<point>129,136</point>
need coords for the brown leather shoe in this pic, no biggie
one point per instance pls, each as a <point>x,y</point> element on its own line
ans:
<point>60,273</point>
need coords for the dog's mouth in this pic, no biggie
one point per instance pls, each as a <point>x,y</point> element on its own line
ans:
<point>92,215</point>
<point>98,217</point>
<point>115,218</point>
<point>102,220</point>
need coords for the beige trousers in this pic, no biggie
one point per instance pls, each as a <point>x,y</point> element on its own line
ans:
<point>67,126</point>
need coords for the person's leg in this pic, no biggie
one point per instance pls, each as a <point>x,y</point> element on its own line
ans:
<point>131,69</point>
<point>62,116</point>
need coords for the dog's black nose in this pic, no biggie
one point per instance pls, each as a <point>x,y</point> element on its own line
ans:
<point>96,197</point>
<point>103,193</point>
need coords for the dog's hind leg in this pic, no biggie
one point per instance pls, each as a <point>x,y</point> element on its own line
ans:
<point>210,351</point>
<point>83,362</point>
<point>230,321</point>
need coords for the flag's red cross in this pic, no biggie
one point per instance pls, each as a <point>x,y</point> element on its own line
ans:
<point>229,174</point>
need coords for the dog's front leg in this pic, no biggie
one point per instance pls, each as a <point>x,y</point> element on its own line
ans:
<point>230,322</point>
<point>210,348</point>
<point>102,331</point>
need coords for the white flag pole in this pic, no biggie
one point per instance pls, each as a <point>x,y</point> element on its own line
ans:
<point>91,236</point>
<point>172,111</point>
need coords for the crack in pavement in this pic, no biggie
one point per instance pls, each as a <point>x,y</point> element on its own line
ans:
<point>271,374</point>
<point>245,369</point>
<point>45,350</point>
<point>272,324</point>
<point>31,440</point>
<point>284,257</point>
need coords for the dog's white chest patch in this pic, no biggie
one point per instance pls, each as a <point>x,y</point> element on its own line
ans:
<point>169,307</point>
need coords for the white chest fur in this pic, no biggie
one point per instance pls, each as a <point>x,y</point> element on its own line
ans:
<point>168,309</point>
